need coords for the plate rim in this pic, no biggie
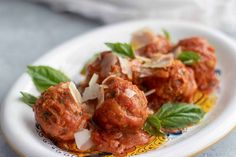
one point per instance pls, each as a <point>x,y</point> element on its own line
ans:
<point>103,28</point>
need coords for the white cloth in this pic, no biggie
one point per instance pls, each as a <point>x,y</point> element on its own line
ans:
<point>217,13</point>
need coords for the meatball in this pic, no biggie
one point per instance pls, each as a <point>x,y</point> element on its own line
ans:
<point>59,112</point>
<point>147,43</point>
<point>109,64</point>
<point>106,64</point>
<point>124,107</point>
<point>170,84</point>
<point>205,69</point>
<point>117,142</point>
<point>159,45</point>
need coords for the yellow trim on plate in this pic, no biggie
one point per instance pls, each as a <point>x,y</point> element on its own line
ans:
<point>193,155</point>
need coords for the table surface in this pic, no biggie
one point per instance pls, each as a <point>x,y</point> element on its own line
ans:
<point>28,30</point>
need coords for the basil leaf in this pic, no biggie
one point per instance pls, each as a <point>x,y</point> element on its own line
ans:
<point>189,57</point>
<point>84,69</point>
<point>153,126</point>
<point>173,116</point>
<point>122,49</point>
<point>167,34</point>
<point>45,76</point>
<point>28,98</point>
<point>179,115</point>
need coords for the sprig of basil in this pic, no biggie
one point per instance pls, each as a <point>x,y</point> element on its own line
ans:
<point>45,76</point>
<point>189,57</point>
<point>122,49</point>
<point>167,34</point>
<point>28,98</point>
<point>153,126</point>
<point>173,116</point>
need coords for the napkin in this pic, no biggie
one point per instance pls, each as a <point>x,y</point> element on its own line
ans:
<point>217,13</point>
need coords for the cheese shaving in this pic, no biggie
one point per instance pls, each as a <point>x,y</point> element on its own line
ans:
<point>92,91</point>
<point>177,51</point>
<point>142,38</point>
<point>143,59</point>
<point>145,72</point>
<point>83,139</point>
<point>106,79</point>
<point>129,93</point>
<point>150,92</point>
<point>125,67</point>
<point>75,93</point>
<point>93,80</point>
<point>100,96</point>
<point>159,61</point>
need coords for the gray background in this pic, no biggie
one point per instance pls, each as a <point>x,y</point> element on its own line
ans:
<point>28,30</point>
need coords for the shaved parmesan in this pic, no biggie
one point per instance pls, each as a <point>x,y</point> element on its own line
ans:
<point>125,67</point>
<point>142,38</point>
<point>129,93</point>
<point>145,72</point>
<point>83,139</point>
<point>150,111</point>
<point>106,79</point>
<point>143,59</point>
<point>177,51</point>
<point>150,92</point>
<point>159,61</point>
<point>75,93</point>
<point>101,96</point>
<point>93,80</point>
<point>92,91</point>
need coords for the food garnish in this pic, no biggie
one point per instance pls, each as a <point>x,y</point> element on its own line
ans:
<point>122,49</point>
<point>142,38</point>
<point>189,57</point>
<point>45,76</point>
<point>93,90</point>
<point>125,67</point>
<point>83,139</point>
<point>28,98</point>
<point>131,95</point>
<point>173,116</point>
<point>75,93</point>
<point>167,34</point>
<point>159,61</point>
<point>150,92</point>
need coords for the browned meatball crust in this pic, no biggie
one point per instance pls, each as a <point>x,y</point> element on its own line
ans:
<point>117,142</point>
<point>58,112</point>
<point>171,84</point>
<point>124,106</point>
<point>106,64</point>
<point>159,45</point>
<point>205,69</point>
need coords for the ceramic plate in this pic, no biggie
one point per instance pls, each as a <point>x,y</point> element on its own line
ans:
<point>17,119</point>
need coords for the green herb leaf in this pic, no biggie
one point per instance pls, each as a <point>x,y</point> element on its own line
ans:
<point>179,115</point>
<point>84,69</point>
<point>45,76</point>
<point>189,57</point>
<point>122,49</point>
<point>153,126</point>
<point>167,34</point>
<point>28,98</point>
<point>173,116</point>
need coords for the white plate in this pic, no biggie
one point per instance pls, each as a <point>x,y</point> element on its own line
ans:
<point>17,119</point>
